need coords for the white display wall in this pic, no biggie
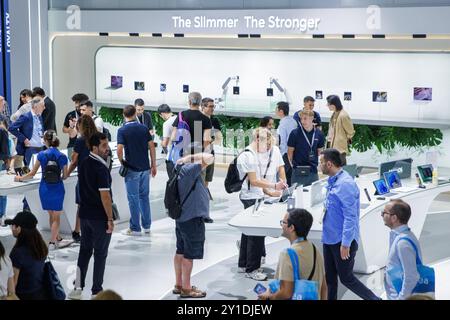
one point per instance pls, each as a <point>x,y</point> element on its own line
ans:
<point>301,73</point>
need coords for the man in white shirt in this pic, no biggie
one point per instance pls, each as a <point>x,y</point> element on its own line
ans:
<point>87,107</point>
<point>402,252</point>
<point>166,114</point>
<point>258,166</point>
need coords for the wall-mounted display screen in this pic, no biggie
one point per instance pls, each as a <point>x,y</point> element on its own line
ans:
<point>319,95</point>
<point>163,87</point>
<point>139,86</point>
<point>185,88</point>
<point>347,96</point>
<point>116,82</point>
<point>269,92</point>
<point>379,96</point>
<point>423,94</point>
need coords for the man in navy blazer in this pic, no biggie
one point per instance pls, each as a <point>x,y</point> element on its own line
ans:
<point>29,131</point>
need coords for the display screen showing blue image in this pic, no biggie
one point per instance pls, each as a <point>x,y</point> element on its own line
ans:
<point>392,179</point>
<point>163,87</point>
<point>381,186</point>
<point>423,94</point>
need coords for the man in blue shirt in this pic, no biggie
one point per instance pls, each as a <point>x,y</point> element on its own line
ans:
<point>402,254</point>
<point>286,126</point>
<point>29,131</point>
<point>340,232</point>
<point>190,227</point>
<point>136,140</point>
<point>304,146</point>
<point>308,104</point>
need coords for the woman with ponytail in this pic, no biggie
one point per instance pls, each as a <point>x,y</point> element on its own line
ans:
<point>51,189</point>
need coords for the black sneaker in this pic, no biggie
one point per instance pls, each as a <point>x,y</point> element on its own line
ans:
<point>76,237</point>
<point>208,220</point>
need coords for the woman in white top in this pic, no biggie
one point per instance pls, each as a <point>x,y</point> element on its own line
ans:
<point>7,288</point>
<point>260,164</point>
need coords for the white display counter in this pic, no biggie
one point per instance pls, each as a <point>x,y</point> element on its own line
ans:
<point>30,189</point>
<point>374,235</point>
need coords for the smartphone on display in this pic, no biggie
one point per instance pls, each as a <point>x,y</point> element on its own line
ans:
<point>259,289</point>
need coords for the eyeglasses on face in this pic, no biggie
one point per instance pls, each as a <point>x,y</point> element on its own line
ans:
<point>385,212</point>
<point>283,222</point>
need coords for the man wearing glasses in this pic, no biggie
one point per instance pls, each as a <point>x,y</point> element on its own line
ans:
<point>402,253</point>
<point>216,137</point>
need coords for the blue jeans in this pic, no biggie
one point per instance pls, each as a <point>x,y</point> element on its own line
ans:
<point>138,190</point>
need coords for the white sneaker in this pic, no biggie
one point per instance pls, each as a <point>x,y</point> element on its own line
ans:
<point>240,270</point>
<point>130,233</point>
<point>52,246</point>
<point>76,294</point>
<point>256,275</point>
<point>263,260</point>
<point>238,245</point>
<point>147,232</point>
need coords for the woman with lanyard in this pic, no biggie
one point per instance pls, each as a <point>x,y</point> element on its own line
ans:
<point>304,146</point>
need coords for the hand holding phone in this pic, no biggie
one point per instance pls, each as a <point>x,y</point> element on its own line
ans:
<point>259,289</point>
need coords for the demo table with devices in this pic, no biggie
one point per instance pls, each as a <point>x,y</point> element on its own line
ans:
<point>374,235</point>
<point>30,189</point>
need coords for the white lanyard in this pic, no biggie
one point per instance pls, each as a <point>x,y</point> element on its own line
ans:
<point>313,137</point>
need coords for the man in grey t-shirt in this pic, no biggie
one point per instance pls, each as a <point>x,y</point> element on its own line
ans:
<point>190,227</point>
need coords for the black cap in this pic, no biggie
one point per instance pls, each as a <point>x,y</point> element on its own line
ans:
<point>23,219</point>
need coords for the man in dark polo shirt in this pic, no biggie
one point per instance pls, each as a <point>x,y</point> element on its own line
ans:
<point>190,227</point>
<point>136,140</point>
<point>304,146</point>
<point>308,104</point>
<point>95,213</point>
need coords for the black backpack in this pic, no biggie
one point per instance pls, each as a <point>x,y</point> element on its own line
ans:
<point>52,172</point>
<point>172,200</point>
<point>233,183</point>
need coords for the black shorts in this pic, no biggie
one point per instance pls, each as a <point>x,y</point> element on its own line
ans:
<point>191,238</point>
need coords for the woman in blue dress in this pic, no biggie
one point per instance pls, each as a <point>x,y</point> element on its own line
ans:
<point>51,192</point>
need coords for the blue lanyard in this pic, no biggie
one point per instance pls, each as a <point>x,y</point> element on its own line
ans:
<point>311,144</point>
<point>298,240</point>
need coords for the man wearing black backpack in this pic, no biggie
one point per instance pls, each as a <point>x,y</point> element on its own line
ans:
<point>190,226</point>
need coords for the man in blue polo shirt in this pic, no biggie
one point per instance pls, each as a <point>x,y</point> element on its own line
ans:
<point>308,104</point>
<point>304,146</point>
<point>136,140</point>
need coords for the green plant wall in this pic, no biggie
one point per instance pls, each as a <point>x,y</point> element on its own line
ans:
<point>366,138</point>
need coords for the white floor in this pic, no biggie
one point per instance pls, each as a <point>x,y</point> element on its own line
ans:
<point>142,268</point>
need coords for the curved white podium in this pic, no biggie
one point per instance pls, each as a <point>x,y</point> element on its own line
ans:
<point>374,235</point>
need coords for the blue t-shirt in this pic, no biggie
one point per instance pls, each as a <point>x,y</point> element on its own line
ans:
<point>302,149</point>
<point>135,137</point>
<point>31,274</point>
<point>197,204</point>
<point>81,148</point>
<point>52,154</point>
<point>317,119</point>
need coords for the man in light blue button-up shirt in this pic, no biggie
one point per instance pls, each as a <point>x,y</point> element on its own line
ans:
<point>402,254</point>
<point>340,233</point>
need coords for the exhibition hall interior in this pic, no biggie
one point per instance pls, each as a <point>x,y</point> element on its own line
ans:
<point>225,150</point>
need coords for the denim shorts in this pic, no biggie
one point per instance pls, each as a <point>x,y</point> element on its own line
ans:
<point>191,238</point>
